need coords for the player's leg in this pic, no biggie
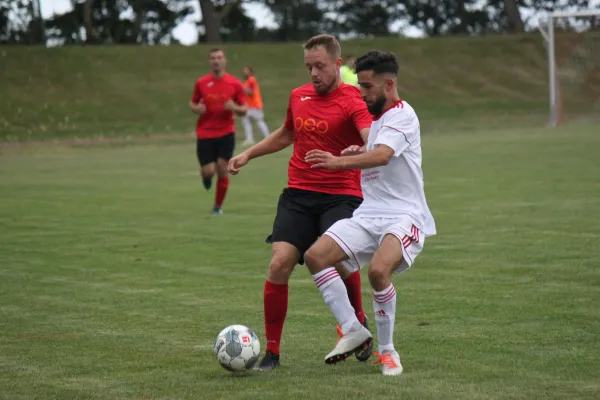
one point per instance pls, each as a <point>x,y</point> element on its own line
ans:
<point>260,122</point>
<point>207,157</point>
<point>225,148</point>
<point>343,208</point>
<point>247,124</point>
<point>293,232</point>
<point>386,260</point>
<point>345,242</point>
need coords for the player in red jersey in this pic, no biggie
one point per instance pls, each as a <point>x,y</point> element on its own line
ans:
<point>326,115</point>
<point>217,97</point>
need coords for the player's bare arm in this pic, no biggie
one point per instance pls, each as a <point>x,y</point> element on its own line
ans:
<point>197,108</point>
<point>238,109</point>
<point>276,141</point>
<point>379,156</point>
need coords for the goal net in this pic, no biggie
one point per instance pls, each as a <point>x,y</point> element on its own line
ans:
<point>573,44</point>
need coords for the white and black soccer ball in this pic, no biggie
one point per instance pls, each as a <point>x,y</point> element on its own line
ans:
<point>237,348</point>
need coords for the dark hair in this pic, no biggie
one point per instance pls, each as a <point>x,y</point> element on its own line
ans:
<point>215,49</point>
<point>380,62</point>
<point>330,43</point>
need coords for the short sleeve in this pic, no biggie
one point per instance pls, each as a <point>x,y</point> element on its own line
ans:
<point>361,117</point>
<point>240,94</point>
<point>289,117</point>
<point>197,94</point>
<point>398,133</point>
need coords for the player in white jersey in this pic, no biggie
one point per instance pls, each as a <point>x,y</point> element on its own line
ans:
<point>388,229</point>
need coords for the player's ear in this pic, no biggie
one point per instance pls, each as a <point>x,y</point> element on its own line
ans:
<point>339,62</point>
<point>390,83</point>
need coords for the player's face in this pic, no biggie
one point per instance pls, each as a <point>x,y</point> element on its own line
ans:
<point>246,72</point>
<point>373,91</point>
<point>217,61</point>
<point>323,69</point>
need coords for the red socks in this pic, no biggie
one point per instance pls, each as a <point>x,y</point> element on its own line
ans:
<point>275,304</point>
<point>222,186</point>
<point>355,295</point>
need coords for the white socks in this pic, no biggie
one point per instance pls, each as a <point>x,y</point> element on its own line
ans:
<point>384,305</point>
<point>335,295</point>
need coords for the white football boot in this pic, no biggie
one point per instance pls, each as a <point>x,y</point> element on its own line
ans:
<point>357,338</point>
<point>390,363</point>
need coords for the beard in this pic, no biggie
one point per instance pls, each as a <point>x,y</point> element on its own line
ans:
<point>377,107</point>
<point>323,88</point>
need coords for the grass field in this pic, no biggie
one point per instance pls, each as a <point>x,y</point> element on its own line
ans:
<point>115,279</point>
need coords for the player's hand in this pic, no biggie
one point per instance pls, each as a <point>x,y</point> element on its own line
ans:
<point>236,163</point>
<point>229,105</point>
<point>200,107</point>
<point>320,159</point>
<point>353,150</point>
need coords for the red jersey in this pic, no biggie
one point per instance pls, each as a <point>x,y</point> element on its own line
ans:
<point>326,122</point>
<point>214,92</point>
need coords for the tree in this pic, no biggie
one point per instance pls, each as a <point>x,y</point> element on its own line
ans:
<point>513,16</point>
<point>21,22</point>
<point>152,21</point>
<point>449,17</point>
<point>213,13</point>
<point>361,18</point>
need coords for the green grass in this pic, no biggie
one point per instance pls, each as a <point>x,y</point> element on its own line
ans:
<point>115,280</point>
<point>455,82</point>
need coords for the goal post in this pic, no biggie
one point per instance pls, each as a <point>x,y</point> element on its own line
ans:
<point>573,48</point>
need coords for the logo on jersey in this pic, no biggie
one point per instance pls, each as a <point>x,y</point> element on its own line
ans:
<point>305,98</point>
<point>310,125</point>
<point>215,98</point>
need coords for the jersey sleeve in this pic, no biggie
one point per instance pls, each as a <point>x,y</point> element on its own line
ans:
<point>398,133</point>
<point>197,94</point>
<point>361,117</point>
<point>289,117</point>
<point>240,94</point>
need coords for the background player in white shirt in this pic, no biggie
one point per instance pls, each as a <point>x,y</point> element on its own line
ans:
<point>388,229</point>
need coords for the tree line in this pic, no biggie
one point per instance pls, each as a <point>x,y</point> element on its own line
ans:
<point>151,22</point>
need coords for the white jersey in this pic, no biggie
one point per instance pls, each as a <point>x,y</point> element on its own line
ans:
<point>396,189</point>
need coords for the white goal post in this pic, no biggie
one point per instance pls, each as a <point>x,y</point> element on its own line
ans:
<point>549,33</point>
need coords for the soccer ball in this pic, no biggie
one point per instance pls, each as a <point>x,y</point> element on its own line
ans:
<point>237,348</point>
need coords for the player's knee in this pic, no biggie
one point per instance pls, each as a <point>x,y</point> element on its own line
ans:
<point>280,268</point>
<point>379,275</point>
<point>311,258</point>
<point>207,172</point>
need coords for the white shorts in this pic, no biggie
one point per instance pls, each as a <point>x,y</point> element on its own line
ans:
<point>360,237</point>
<point>255,114</point>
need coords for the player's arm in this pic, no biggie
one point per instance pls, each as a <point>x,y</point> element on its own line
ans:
<point>361,118</point>
<point>381,155</point>
<point>392,140</point>
<point>196,104</point>
<point>276,141</point>
<point>250,88</point>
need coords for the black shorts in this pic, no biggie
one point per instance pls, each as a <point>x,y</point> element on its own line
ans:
<point>208,150</point>
<point>303,216</point>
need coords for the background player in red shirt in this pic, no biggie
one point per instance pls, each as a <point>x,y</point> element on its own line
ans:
<point>217,97</point>
<point>326,115</point>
